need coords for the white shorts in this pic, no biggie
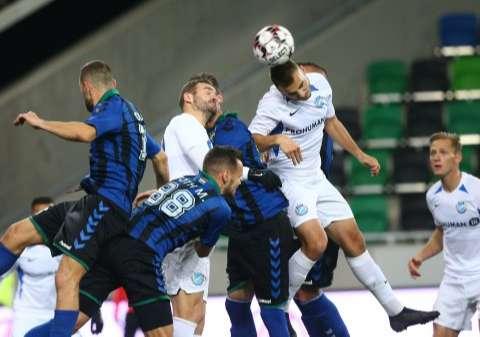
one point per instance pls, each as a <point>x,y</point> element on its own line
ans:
<point>457,301</point>
<point>314,198</point>
<point>192,281</point>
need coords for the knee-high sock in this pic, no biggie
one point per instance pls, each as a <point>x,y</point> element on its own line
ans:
<point>321,318</point>
<point>7,259</point>
<point>371,276</point>
<point>241,318</point>
<point>63,323</point>
<point>275,321</point>
<point>298,267</point>
<point>42,330</point>
<point>183,328</point>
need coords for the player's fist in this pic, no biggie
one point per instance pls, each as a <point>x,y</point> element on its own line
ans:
<point>265,177</point>
<point>370,162</point>
<point>414,267</point>
<point>290,148</point>
<point>30,118</point>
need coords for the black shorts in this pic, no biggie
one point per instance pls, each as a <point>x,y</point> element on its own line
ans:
<point>80,228</point>
<point>129,263</point>
<point>321,274</point>
<point>260,256</point>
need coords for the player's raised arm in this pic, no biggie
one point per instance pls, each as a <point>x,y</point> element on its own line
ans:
<point>335,129</point>
<point>72,131</point>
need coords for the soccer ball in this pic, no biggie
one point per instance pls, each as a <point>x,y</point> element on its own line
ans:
<point>273,45</point>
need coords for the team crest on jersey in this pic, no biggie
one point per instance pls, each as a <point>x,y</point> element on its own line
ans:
<point>301,209</point>
<point>461,207</point>
<point>320,102</point>
<point>198,278</point>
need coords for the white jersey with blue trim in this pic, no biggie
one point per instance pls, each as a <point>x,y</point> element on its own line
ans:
<point>458,213</point>
<point>36,279</point>
<point>302,121</point>
<point>185,143</point>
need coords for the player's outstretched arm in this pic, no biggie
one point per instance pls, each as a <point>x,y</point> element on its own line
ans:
<point>287,145</point>
<point>73,131</point>
<point>431,248</point>
<point>341,136</point>
<point>160,168</point>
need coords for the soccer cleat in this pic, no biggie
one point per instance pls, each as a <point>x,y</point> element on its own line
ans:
<point>408,317</point>
<point>291,331</point>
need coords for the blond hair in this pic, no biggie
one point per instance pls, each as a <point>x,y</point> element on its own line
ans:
<point>452,137</point>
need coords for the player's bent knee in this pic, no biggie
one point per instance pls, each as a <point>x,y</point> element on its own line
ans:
<point>69,273</point>
<point>313,239</point>
<point>20,235</point>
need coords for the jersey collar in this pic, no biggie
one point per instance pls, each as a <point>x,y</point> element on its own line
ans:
<point>211,181</point>
<point>108,94</point>
<point>225,115</point>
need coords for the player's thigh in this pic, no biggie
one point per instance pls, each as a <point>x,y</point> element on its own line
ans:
<point>301,203</point>
<point>348,236</point>
<point>269,261</point>
<point>188,305</point>
<point>166,331</point>
<point>454,307</point>
<point>239,270</point>
<point>441,331</point>
<point>88,225</point>
<point>140,272</point>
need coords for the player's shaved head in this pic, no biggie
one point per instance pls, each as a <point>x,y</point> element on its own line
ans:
<point>98,73</point>
<point>221,158</point>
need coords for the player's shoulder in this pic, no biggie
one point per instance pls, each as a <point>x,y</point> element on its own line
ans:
<point>433,190</point>
<point>273,102</point>
<point>319,81</point>
<point>184,122</point>
<point>471,181</point>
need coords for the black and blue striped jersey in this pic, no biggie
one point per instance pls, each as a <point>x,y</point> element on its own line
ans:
<point>119,152</point>
<point>184,209</point>
<point>252,204</point>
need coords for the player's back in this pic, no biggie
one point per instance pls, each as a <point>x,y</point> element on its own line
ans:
<point>302,121</point>
<point>119,152</point>
<point>36,279</point>
<point>183,209</point>
<point>458,213</point>
<point>182,134</point>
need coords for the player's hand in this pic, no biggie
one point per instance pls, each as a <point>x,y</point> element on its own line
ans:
<point>291,149</point>
<point>30,117</point>
<point>265,177</point>
<point>141,197</point>
<point>370,162</point>
<point>96,325</point>
<point>414,267</point>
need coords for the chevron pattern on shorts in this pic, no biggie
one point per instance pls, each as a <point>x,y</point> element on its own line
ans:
<point>92,222</point>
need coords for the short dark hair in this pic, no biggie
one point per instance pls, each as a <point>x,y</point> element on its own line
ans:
<point>41,200</point>
<point>97,72</point>
<point>221,157</point>
<point>192,82</point>
<point>282,74</point>
<point>452,137</point>
<point>314,66</point>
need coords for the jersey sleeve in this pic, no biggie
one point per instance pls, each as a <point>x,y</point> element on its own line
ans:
<point>430,205</point>
<point>106,120</point>
<point>219,218</point>
<point>264,121</point>
<point>330,108</point>
<point>152,146</point>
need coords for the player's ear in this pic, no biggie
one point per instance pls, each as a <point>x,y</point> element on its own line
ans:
<point>188,97</point>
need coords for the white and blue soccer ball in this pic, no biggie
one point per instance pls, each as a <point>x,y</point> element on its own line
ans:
<point>273,45</point>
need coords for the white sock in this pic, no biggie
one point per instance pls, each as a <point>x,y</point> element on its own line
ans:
<point>371,276</point>
<point>197,335</point>
<point>298,267</point>
<point>183,328</point>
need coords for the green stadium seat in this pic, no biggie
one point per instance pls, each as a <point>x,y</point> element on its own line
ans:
<point>383,121</point>
<point>387,76</point>
<point>463,117</point>
<point>371,212</point>
<point>465,73</point>
<point>359,175</point>
<point>469,162</point>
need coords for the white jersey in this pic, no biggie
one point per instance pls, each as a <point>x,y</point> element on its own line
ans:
<point>36,279</point>
<point>458,213</point>
<point>185,143</point>
<point>302,121</point>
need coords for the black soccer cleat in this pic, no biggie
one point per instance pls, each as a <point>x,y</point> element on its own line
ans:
<point>291,331</point>
<point>408,317</point>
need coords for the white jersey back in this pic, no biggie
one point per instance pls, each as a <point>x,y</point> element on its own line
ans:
<point>36,279</point>
<point>185,143</point>
<point>302,121</point>
<point>458,213</point>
